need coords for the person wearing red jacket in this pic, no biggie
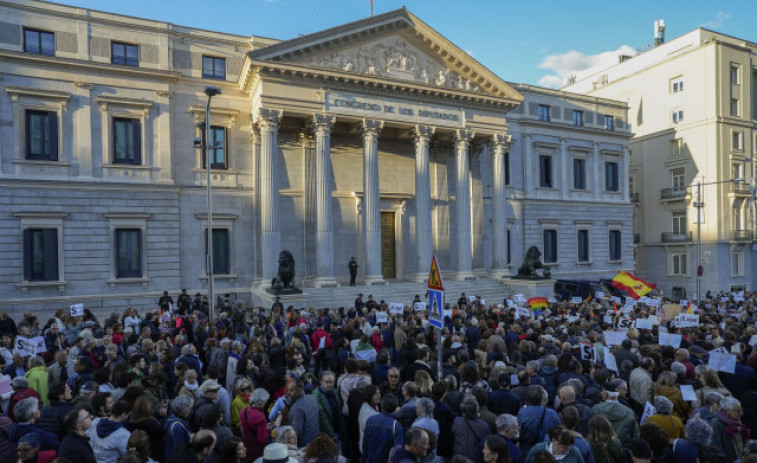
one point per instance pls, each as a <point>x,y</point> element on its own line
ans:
<point>321,348</point>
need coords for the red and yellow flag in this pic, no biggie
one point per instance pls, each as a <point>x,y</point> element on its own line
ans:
<point>537,304</point>
<point>635,287</point>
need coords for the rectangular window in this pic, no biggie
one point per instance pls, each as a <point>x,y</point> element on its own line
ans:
<point>677,115</point>
<point>615,253</point>
<point>124,53</point>
<point>544,112</point>
<point>679,264</point>
<point>545,171</point>
<point>583,245</point>
<point>609,122</point>
<point>41,135</point>
<point>612,178</point>
<point>40,254</point>
<point>128,253</point>
<point>579,174</point>
<point>735,263</point>
<point>678,179</point>
<point>39,42</point>
<point>221,264</point>
<point>509,248</point>
<point>217,149</point>
<point>679,222</point>
<point>578,118</point>
<point>677,146</point>
<point>737,140</point>
<point>550,246</point>
<point>213,68</point>
<point>735,78</point>
<point>127,141</point>
<point>507,167</point>
<point>736,172</point>
<point>734,106</point>
<point>676,85</point>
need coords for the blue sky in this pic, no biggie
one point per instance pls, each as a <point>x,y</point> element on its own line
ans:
<point>534,42</point>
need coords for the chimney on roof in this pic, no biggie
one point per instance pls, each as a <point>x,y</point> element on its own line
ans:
<point>659,32</point>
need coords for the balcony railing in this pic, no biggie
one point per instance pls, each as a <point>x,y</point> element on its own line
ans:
<point>634,197</point>
<point>741,188</point>
<point>741,235</point>
<point>672,237</point>
<point>672,193</point>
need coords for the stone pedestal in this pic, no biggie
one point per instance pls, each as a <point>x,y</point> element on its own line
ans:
<point>530,288</point>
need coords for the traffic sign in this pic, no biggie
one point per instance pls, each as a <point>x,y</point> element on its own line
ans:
<point>435,308</point>
<point>435,276</point>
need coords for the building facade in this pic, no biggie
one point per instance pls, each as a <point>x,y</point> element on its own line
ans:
<point>377,139</point>
<point>692,108</point>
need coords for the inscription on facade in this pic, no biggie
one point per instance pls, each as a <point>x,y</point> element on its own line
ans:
<point>387,109</point>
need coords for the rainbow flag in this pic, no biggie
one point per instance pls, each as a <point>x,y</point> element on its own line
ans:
<point>537,304</point>
<point>635,287</point>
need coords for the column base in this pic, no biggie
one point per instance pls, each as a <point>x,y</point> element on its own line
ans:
<point>374,280</point>
<point>465,276</point>
<point>500,273</point>
<point>421,277</point>
<point>325,282</point>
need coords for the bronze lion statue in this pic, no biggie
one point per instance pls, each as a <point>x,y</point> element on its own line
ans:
<point>286,270</point>
<point>531,263</point>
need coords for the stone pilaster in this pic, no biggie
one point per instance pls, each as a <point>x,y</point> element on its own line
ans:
<point>500,144</point>
<point>321,126</point>
<point>270,237</point>
<point>463,139</point>
<point>371,203</point>
<point>423,237</point>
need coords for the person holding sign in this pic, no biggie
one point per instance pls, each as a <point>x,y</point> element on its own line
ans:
<point>672,425</point>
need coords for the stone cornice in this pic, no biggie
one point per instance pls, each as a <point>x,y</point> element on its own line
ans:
<point>111,100</point>
<point>38,93</point>
<point>329,78</point>
<point>88,67</point>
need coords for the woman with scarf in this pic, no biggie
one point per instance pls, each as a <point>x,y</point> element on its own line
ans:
<point>190,386</point>
<point>728,432</point>
<point>243,388</point>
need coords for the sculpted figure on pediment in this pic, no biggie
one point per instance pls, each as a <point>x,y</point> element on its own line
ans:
<point>396,58</point>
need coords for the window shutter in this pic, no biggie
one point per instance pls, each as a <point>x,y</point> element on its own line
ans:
<point>137,141</point>
<point>50,246</point>
<point>27,254</point>
<point>53,156</point>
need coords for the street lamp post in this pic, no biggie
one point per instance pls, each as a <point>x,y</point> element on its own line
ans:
<point>210,92</point>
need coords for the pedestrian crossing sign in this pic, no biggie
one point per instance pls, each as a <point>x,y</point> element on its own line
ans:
<point>435,276</point>
<point>435,308</point>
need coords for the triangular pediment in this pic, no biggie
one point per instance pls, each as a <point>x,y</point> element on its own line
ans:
<point>395,46</point>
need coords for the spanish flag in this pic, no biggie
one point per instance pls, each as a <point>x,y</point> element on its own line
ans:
<point>537,304</point>
<point>635,287</point>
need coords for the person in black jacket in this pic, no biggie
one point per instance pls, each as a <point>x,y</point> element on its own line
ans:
<point>51,417</point>
<point>75,446</point>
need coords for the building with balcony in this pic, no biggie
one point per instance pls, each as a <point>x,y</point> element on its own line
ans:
<point>693,112</point>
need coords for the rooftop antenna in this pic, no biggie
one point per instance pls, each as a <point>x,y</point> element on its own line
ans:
<point>371,8</point>
<point>659,32</point>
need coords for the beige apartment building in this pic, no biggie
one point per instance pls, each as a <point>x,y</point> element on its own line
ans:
<point>692,110</point>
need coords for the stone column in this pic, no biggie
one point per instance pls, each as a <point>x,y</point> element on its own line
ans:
<point>463,139</point>
<point>270,237</point>
<point>625,174</point>
<point>324,247</point>
<point>500,144</point>
<point>371,203</point>
<point>423,237</point>
<point>529,168</point>
<point>598,185</point>
<point>255,140</point>
<point>565,178</point>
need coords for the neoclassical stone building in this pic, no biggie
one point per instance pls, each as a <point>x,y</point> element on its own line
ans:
<point>377,139</point>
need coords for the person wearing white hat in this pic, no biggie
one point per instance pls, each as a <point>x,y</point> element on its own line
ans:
<point>275,453</point>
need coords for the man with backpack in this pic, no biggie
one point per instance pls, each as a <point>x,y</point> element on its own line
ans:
<point>535,419</point>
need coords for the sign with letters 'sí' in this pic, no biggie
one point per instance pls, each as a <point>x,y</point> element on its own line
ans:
<point>30,346</point>
<point>389,109</point>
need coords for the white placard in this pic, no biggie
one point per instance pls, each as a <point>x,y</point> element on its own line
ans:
<point>483,302</point>
<point>471,298</point>
<point>687,392</point>
<point>643,324</point>
<point>722,362</point>
<point>614,338</point>
<point>399,308</point>
<point>669,339</point>
<point>599,294</point>
<point>630,302</point>
<point>510,303</point>
<point>552,300</point>
<point>572,318</point>
<point>649,410</point>
<point>522,312</point>
<point>576,300</point>
<point>588,352</point>
<point>382,317</point>
<point>519,298</point>
<point>77,310</point>
<point>738,298</point>
<point>627,309</point>
<point>610,362</point>
<point>724,299</point>
<point>753,340</point>
<point>624,323</point>
<point>30,346</point>
<point>607,319</point>
<point>686,320</point>
<point>514,381</point>
<point>645,300</point>
<point>653,319</point>
<point>684,303</point>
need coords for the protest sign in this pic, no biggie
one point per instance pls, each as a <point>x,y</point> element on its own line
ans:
<point>687,320</point>
<point>614,338</point>
<point>722,362</point>
<point>522,312</point>
<point>599,294</point>
<point>687,392</point>
<point>668,339</point>
<point>653,319</point>
<point>610,362</point>
<point>382,317</point>
<point>30,346</point>
<point>671,310</point>
<point>519,298</point>
<point>649,410</point>
<point>588,352</point>
<point>643,324</point>
<point>753,340</point>
<point>576,300</point>
<point>607,319</point>
<point>77,310</point>
<point>399,308</point>
<point>552,300</point>
<point>514,381</point>
<point>624,323</point>
<point>510,303</point>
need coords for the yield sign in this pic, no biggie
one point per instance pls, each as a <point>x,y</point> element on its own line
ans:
<point>434,276</point>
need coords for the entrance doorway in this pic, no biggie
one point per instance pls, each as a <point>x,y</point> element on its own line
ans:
<point>388,258</point>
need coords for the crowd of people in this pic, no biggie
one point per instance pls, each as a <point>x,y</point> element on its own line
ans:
<point>363,385</point>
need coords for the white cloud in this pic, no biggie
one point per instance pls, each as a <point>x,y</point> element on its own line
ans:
<point>717,21</point>
<point>572,62</point>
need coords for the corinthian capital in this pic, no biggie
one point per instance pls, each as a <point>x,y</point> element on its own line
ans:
<point>464,136</point>
<point>423,133</point>
<point>372,128</point>
<point>501,141</point>
<point>268,119</point>
<point>321,124</point>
